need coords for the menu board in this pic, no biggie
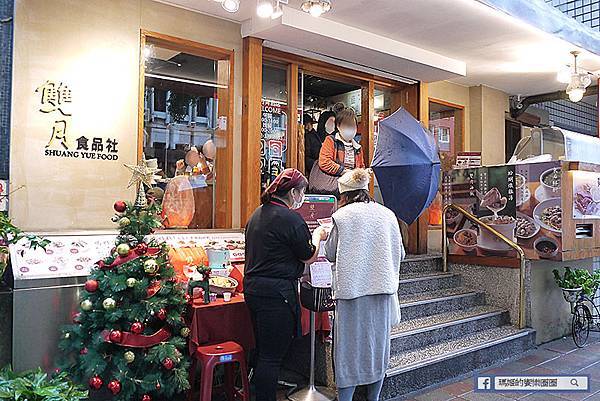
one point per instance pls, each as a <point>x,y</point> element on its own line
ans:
<point>75,255</point>
<point>586,195</point>
<point>273,142</point>
<point>522,202</point>
<point>317,208</point>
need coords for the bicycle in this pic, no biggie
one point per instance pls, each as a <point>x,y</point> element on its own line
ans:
<point>584,320</point>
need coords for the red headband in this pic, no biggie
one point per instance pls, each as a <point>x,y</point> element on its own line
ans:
<point>288,179</point>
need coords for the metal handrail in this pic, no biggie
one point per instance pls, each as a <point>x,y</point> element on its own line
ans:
<point>507,241</point>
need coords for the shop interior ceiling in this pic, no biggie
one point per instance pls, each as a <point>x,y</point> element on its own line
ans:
<point>493,48</point>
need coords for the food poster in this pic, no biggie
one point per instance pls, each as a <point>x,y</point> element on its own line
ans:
<point>522,202</point>
<point>273,142</point>
<point>586,195</point>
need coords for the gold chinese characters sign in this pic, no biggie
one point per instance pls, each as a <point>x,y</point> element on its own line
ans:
<point>56,100</point>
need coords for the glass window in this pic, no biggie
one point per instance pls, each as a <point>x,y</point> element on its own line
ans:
<point>274,117</point>
<point>182,132</point>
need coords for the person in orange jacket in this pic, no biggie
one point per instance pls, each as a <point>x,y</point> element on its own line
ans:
<point>340,152</point>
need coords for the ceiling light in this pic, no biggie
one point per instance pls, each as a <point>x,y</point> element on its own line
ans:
<point>578,82</point>
<point>316,7</point>
<point>231,6</point>
<point>564,75</point>
<point>277,12</point>
<point>264,9</point>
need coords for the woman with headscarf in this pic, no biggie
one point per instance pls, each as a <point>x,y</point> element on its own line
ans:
<point>365,246</point>
<point>278,244</point>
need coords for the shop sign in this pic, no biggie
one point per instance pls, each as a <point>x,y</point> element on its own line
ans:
<point>273,140</point>
<point>3,195</point>
<point>586,195</point>
<point>55,100</point>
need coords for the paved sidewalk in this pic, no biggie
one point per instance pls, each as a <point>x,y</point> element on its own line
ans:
<point>557,357</point>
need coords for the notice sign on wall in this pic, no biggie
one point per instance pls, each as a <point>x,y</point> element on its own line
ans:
<point>55,100</point>
<point>3,195</point>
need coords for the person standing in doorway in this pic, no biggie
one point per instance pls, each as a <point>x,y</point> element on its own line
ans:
<point>312,143</point>
<point>365,246</point>
<point>278,244</point>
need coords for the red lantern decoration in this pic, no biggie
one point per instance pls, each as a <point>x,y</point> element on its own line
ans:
<point>162,314</point>
<point>168,363</point>
<point>115,387</point>
<point>120,206</point>
<point>91,285</point>
<point>146,397</point>
<point>137,328</point>
<point>141,248</point>
<point>95,382</point>
<point>115,336</point>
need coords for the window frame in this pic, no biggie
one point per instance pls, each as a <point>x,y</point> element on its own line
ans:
<point>223,202</point>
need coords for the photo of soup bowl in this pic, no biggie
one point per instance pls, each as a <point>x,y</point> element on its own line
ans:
<point>466,239</point>
<point>505,225</point>
<point>550,182</point>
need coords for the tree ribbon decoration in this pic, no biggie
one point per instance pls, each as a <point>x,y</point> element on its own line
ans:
<point>139,340</point>
<point>119,260</point>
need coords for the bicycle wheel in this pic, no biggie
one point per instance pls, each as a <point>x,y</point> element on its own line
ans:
<point>581,324</point>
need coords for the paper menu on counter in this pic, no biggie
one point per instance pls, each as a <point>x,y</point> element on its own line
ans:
<point>321,275</point>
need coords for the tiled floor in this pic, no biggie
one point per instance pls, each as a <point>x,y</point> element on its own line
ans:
<point>558,357</point>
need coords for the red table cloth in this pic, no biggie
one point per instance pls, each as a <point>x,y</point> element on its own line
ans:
<point>222,321</point>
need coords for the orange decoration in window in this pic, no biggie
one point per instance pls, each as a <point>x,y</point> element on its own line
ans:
<point>181,257</point>
<point>178,203</point>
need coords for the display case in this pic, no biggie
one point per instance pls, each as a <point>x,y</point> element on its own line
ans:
<point>47,283</point>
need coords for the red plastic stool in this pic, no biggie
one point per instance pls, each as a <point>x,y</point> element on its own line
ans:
<point>210,357</point>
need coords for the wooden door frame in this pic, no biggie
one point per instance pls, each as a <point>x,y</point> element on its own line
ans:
<point>463,123</point>
<point>224,160</point>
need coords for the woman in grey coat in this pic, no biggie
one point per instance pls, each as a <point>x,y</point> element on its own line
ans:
<point>365,246</point>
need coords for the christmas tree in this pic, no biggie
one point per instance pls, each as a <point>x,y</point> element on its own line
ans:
<point>129,334</point>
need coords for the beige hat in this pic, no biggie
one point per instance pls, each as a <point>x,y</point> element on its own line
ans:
<point>354,180</point>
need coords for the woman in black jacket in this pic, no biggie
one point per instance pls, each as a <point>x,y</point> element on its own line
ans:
<point>278,245</point>
<point>313,140</point>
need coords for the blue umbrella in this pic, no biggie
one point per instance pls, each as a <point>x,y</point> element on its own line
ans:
<point>406,165</point>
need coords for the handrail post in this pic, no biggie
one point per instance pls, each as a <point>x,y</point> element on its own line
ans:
<point>512,244</point>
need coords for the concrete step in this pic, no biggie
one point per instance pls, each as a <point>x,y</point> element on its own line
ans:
<point>412,334</point>
<point>416,369</point>
<point>421,263</point>
<point>416,283</point>
<point>435,302</point>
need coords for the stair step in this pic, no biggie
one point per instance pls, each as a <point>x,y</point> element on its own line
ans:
<point>434,329</point>
<point>421,263</point>
<point>413,283</point>
<point>436,302</point>
<point>416,369</point>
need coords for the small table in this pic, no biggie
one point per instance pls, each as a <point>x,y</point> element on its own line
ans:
<point>221,321</point>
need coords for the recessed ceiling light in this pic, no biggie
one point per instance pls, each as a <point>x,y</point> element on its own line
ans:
<point>231,6</point>
<point>316,7</point>
<point>264,8</point>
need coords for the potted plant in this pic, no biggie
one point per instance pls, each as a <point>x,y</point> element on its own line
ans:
<point>576,282</point>
<point>10,234</point>
<point>35,385</point>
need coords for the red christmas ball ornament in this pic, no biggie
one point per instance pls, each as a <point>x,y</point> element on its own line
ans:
<point>95,382</point>
<point>57,371</point>
<point>146,397</point>
<point>120,206</point>
<point>84,351</point>
<point>161,314</point>
<point>137,328</point>
<point>77,318</point>
<point>158,387</point>
<point>115,336</point>
<point>188,298</point>
<point>91,285</point>
<point>141,248</point>
<point>168,363</point>
<point>114,386</point>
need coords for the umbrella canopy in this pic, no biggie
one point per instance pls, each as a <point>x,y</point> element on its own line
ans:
<point>406,165</point>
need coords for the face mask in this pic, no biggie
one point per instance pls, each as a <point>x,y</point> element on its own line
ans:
<point>330,126</point>
<point>348,134</point>
<point>297,204</point>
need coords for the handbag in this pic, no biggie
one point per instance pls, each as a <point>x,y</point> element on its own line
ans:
<point>316,299</point>
<point>319,182</point>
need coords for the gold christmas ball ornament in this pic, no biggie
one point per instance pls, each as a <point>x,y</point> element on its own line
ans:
<point>67,336</point>
<point>123,249</point>
<point>124,222</point>
<point>150,266</point>
<point>129,357</point>
<point>131,282</point>
<point>109,304</point>
<point>185,332</point>
<point>86,305</point>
